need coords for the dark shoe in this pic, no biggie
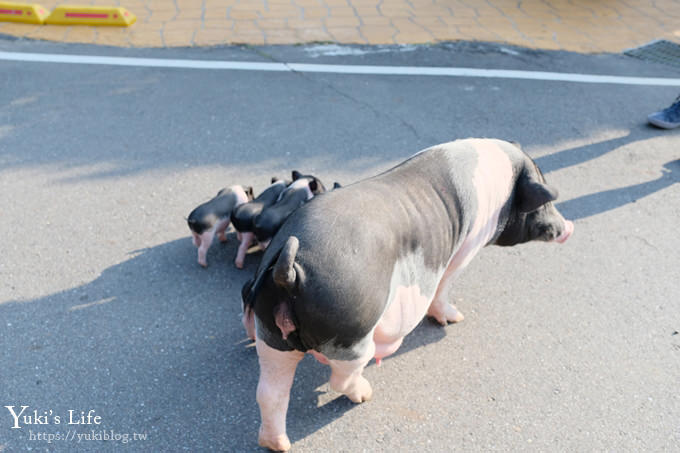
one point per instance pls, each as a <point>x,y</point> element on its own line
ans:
<point>668,118</point>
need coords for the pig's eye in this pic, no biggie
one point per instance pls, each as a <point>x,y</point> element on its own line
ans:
<point>545,232</point>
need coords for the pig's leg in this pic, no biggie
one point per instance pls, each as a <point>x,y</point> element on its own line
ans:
<point>346,376</point>
<point>442,311</point>
<point>246,239</point>
<point>221,228</point>
<point>205,242</point>
<point>277,370</point>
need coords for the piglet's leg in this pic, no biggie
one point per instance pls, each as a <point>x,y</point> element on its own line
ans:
<point>346,376</point>
<point>205,242</point>
<point>221,227</point>
<point>277,370</point>
<point>248,320</point>
<point>246,239</point>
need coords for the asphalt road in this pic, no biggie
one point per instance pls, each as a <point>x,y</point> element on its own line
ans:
<point>103,307</point>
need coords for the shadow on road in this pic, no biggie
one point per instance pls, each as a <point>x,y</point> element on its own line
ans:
<point>161,335</point>
<point>597,203</point>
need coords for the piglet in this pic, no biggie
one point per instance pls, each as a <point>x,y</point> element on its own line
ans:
<point>214,217</point>
<point>243,216</point>
<point>302,189</point>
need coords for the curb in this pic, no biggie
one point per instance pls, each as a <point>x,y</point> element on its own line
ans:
<point>67,15</point>
<point>21,12</point>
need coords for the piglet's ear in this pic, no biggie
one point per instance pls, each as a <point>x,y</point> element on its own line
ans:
<point>274,179</point>
<point>296,175</point>
<point>532,194</point>
<point>313,185</point>
<point>249,192</point>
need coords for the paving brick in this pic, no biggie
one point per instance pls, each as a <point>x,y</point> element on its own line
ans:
<point>280,36</point>
<point>81,35</point>
<point>265,24</point>
<point>182,25</point>
<point>255,38</point>
<point>178,38</point>
<point>110,36</point>
<point>313,34</point>
<point>239,15</point>
<point>446,34</point>
<point>215,14</point>
<point>339,22</point>
<point>283,12</point>
<point>19,30</point>
<point>314,13</point>
<point>419,37</point>
<point>192,14</point>
<point>243,26</point>
<point>347,35</point>
<point>161,16</point>
<point>378,34</point>
<point>53,32</point>
<point>146,39</point>
<point>342,11</point>
<point>396,12</point>
<point>218,24</point>
<point>375,20</point>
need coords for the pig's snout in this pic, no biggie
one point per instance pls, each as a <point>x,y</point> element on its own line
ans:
<point>568,230</point>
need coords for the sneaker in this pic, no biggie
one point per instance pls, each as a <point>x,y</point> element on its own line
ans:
<point>668,118</point>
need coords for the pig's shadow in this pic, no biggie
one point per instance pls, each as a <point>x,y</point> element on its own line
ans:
<point>190,315</point>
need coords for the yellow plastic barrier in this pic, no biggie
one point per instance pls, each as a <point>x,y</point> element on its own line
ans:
<point>91,15</point>
<point>22,12</point>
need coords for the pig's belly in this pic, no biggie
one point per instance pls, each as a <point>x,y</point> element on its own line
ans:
<point>406,310</point>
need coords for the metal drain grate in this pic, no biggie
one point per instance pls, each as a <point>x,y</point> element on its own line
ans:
<point>660,51</point>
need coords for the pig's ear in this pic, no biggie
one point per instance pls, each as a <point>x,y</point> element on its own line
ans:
<point>274,179</point>
<point>296,175</point>
<point>313,185</point>
<point>532,194</point>
<point>336,185</point>
<point>250,193</point>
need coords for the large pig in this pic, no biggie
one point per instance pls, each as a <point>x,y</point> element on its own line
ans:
<point>351,273</point>
<point>213,216</point>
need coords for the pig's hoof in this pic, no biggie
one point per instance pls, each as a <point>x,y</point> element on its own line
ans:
<point>222,238</point>
<point>449,314</point>
<point>362,391</point>
<point>274,442</point>
<point>238,264</point>
<point>456,317</point>
<point>203,263</point>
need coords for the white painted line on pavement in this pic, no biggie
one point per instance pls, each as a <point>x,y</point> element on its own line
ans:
<point>338,69</point>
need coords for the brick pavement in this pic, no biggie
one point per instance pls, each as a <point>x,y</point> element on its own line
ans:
<point>575,25</point>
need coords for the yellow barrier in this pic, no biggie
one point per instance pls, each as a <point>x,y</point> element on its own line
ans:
<point>21,12</point>
<point>91,15</point>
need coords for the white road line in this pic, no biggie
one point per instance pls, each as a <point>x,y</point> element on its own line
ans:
<point>338,69</point>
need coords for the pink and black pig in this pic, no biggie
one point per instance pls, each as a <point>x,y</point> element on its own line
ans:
<point>302,189</point>
<point>213,217</point>
<point>243,216</point>
<point>348,288</point>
